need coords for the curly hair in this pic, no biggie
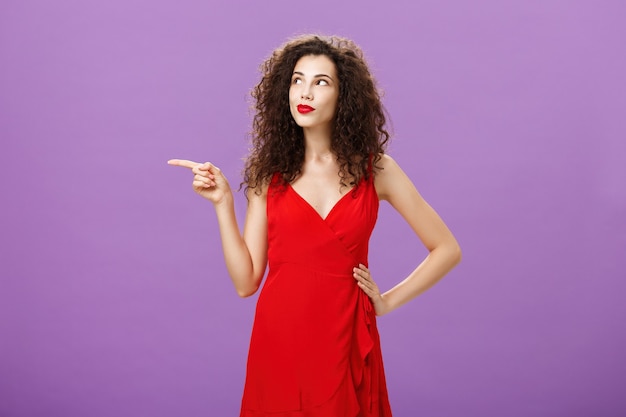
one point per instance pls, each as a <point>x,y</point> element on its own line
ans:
<point>358,137</point>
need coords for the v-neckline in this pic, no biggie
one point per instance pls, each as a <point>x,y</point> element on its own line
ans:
<point>332,209</point>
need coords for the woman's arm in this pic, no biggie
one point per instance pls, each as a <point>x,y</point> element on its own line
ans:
<point>245,255</point>
<point>393,185</point>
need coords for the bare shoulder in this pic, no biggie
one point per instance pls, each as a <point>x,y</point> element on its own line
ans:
<point>256,215</point>
<point>386,162</point>
<point>258,193</point>
<point>256,211</point>
<point>391,180</point>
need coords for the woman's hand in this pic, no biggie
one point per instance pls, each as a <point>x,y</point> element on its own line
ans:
<point>369,287</point>
<point>208,180</point>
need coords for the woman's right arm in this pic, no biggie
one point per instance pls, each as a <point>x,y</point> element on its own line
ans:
<point>245,255</point>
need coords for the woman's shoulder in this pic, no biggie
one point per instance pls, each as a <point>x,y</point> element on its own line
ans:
<point>389,177</point>
<point>384,164</point>
<point>259,191</point>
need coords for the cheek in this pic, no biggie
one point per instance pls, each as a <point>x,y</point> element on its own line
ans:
<point>293,96</point>
<point>335,103</point>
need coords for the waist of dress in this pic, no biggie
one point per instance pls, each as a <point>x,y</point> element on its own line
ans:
<point>339,269</point>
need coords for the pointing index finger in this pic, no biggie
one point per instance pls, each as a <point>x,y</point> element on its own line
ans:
<point>183,163</point>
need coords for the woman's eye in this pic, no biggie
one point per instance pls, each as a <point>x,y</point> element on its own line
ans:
<point>296,81</point>
<point>322,82</point>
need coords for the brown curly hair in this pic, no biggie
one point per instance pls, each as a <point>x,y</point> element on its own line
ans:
<point>358,135</point>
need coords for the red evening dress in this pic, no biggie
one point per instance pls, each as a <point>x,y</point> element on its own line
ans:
<point>315,349</point>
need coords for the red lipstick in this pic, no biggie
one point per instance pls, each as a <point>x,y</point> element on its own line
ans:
<point>304,109</point>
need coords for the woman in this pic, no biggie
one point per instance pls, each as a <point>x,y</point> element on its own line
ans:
<point>314,179</point>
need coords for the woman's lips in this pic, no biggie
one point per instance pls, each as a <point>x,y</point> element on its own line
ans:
<point>303,108</point>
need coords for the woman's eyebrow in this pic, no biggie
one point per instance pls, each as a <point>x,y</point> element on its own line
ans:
<point>315,76</point>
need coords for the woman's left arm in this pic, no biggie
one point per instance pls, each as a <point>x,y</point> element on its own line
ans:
<point>394,186</point>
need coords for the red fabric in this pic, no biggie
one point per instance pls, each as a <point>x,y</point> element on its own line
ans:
<point>315,349</point>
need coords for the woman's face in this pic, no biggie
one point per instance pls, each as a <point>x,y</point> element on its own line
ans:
<point>314,92</point>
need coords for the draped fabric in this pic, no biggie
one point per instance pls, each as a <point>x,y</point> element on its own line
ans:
<point>315,349</point>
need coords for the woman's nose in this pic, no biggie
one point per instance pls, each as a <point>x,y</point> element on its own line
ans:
<point>306,94</point>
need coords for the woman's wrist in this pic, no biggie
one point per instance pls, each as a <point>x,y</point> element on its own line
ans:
<point>381,305</point>
<point>226,201</point>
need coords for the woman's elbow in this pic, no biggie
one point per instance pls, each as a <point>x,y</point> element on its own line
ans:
<point>456,254</point>
<point>246,292</point>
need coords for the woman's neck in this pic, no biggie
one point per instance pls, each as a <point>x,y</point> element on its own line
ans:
<point>317,144</point>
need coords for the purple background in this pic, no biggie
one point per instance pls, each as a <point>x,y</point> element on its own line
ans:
<point>508,116</point>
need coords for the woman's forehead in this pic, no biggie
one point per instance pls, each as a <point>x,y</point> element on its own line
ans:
<point>312,65</point>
